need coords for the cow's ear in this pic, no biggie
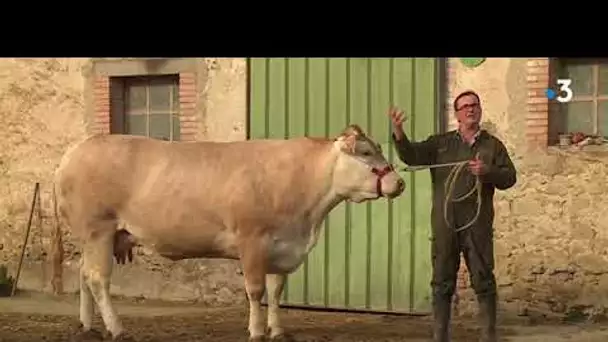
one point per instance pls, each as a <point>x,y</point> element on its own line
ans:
<point>353,130</point>
<point>349,137</point>
<point>347,143</point>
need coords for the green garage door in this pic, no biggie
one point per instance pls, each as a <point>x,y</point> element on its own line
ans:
<point>372,256</point>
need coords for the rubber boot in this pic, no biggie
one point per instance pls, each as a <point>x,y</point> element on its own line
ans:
<point>487,317</point>
<point>442,306</point>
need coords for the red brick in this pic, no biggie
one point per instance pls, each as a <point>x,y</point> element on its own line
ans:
<point>101,101</point>
<point>102,120</point>
<point>187,118</point>
<point>187,105</point>
<point>534,62</point>
<point>538,143</point>
<point>101,105</point>
<point>101,90</point>
<point>537,122</point>
<point>538,71</point>
<point>537,100</point>
<point>537,116</point>
<point>187,87</point>
<point>537,129</point>
<point>536,92</point>
<point>187,92</point>
<point>539,107</point>
<point>187,83</point>
<point>102,83</point>
<point>187,100</point>
<point>187,79</point>
<point>538,78</point>
<point>537,126</point>
<point>188,124</point>
<point>539,86</point>
<point>187,97</point>
<point>102,112</point>
<point>102,109</point>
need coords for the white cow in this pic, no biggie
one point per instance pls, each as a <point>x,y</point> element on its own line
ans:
<point>259,201</point>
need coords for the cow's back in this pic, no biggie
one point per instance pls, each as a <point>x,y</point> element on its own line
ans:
<point>162,185</point>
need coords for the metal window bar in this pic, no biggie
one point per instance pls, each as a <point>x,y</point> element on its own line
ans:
<point>170,112</point>
<point>147,114</point>
<point>595,98</point>
<point>596,84</point>
<point>148,110</point>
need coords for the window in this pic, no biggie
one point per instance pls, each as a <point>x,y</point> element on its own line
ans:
<point>588,110</point>
<point>149,106</point>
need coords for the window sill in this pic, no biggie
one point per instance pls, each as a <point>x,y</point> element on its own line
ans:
<point>597,151</point>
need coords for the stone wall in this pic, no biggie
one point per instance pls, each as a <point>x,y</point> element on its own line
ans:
<point>551,232</point>
<point>48,104</point>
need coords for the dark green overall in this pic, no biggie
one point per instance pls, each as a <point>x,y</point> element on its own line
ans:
<point>476,242</point>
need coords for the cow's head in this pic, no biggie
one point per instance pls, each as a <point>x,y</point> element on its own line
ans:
<point>362,173</point>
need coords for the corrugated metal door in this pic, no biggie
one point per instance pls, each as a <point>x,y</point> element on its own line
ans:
<point>373,256</point>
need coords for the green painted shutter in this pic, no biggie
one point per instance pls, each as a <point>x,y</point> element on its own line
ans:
<point>372,256</point>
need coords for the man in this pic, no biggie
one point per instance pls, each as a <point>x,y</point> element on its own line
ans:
<point>490,163</point>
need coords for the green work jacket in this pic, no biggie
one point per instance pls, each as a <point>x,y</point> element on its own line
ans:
<point>450,147</point>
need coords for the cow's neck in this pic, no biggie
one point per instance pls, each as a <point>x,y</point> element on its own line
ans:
<point>325,200</point>
<point>324,205</point>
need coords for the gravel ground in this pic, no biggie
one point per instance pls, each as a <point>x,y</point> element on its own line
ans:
<point>36,317</point>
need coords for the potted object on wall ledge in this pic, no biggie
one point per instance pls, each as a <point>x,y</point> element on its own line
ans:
<point>580,139</point>
<point>565,139</point>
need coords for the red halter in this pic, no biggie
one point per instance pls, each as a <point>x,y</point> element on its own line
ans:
<point>381,173</point>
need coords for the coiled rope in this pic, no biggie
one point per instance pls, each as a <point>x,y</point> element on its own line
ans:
<point>450,186</point>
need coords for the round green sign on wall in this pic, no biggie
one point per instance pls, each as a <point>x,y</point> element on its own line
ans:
<point>472,62</point>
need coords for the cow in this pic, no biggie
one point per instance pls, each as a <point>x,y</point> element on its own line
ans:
<point>259,201</point>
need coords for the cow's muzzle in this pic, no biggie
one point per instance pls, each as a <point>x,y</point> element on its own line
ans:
<point>380,173</point>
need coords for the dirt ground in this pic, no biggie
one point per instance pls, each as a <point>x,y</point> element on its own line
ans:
<point>37,317</point>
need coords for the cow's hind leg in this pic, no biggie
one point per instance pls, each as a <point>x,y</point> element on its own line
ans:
<point>96,272</point>
<point>85,331</point>
<point>274,285</point>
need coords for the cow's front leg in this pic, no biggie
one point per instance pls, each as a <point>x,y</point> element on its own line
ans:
<point>275,284</point>
<point>254,271</point>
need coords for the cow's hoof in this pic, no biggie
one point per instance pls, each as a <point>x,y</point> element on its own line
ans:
<point>282,338</point>
<point>81,335</point>
<point>257,339</point>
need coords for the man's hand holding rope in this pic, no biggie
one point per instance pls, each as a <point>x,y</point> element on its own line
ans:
<point>477,166</point>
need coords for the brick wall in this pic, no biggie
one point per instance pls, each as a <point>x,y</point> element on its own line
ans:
<point>101,124</point>
<point>101,100</point>
<point>187,102</point>
<point>537,119</point>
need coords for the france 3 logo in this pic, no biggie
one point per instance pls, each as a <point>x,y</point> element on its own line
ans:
<point>563,94</point>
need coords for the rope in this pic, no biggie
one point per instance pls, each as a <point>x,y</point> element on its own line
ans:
<point>450,185</point>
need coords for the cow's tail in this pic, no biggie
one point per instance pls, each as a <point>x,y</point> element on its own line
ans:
<point>57,248</point>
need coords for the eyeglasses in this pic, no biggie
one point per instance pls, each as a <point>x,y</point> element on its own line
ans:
<point>469,106</point>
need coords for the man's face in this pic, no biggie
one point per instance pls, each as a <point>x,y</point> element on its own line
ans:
<point>468,110</point>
